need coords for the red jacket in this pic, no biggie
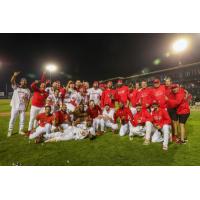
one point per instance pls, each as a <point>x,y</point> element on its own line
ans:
<point>108,98</point>
<point>180,102</point>
<point>169,94</point>
<point>160,117</point>
<point>145,97</point>
<point>39,96</point>
<point>159,95</point>
<point>140,118</point>
<point>44,119</point>
<point>121,94</point>
<point>94,112</point>
<point>61,117</point>
<point>124,114</point>
<point>133,97</point>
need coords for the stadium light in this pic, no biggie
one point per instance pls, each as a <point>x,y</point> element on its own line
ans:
<point>51,68</point>
<point>180,45</point>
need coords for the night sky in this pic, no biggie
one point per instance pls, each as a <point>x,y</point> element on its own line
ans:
<point>89,56</point>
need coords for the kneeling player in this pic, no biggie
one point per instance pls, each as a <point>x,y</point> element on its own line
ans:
<point>141,123</point>
<point>125,115</point>
<point>107,119</point>
<point>45,122</point>
<point>161,123</point>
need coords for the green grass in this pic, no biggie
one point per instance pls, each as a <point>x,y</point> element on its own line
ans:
<point>106,150</point>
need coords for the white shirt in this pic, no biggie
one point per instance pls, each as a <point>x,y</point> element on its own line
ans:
<point>20,98</point>
<point>95,95</point>
<point>109,113</point>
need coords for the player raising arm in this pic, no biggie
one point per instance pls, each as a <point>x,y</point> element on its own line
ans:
<point>19,103</point>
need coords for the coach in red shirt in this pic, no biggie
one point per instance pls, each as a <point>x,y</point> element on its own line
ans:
<point>38,102</point>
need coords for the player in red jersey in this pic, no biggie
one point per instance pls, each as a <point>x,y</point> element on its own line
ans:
<point>122,93</point>
<point>38,102</point>
<point>108,96</point>
<point>94,112</point>
<point>181,103</point>
<point>45,122</point>
<point>161,124</point>
<point>141,123</point>
<point>124,115</point>
<point>145,95</point>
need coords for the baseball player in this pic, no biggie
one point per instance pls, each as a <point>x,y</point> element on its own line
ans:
<point>122,93</point>
<point>38,102</point>
<point>108,96</point>
<point>19,103</point>
<point>107,120</point>
<point>181,103</point>
<point>45,120</point>
<point>161,124</point>
<point>141,123</point>
<point>94,112</point>
<point>95,93</point>
<point>124,115</point>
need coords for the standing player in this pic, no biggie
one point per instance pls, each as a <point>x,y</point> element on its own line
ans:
<point>133,92</point>
<point>19,103</point>
<point>95,93</point>
<point>122,93</point>
<point>182,109</point>
<point>38,102</point>
<point>107,97</point>
<point>159,93</point>
<point>145,95</point>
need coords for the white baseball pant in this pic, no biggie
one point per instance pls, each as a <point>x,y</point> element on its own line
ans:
<point>13,117</point>
<point>96,123</point>
<point>136,130</point>
<point>108,124</point>
<point>39,130</point>
<point>33,113</point>
<point>123,130</point>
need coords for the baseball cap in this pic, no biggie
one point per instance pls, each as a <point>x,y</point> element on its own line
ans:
<point>174,86</point>
<point>119,81</point>
<point>156,81</point>
<point>155,102</point>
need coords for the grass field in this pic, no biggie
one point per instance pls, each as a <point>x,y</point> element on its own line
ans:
<point>106,150</point>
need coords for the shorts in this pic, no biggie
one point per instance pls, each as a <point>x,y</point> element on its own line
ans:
<point>172,114</point>
<point>183,118</point>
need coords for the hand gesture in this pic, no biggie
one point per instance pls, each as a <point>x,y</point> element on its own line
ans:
<point>16,73</point>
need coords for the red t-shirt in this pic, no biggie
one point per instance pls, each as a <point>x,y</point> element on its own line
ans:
<point>94,112</point>
<point>61,117</point>
<point>39,96</point>
<point>44,119</point>
<point>108,98</point>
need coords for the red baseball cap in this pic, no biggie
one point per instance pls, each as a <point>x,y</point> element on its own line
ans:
<point>156,81</point>
<point>155,102</point>
<point>174,86</point>
<point>119,81</point>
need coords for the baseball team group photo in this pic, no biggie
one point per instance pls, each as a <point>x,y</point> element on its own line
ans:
<point>99,99</point>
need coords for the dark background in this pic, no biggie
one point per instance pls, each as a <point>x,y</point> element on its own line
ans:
<point>89,56</point>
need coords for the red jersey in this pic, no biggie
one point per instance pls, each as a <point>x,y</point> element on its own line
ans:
<point>124,114</point>
<point>94,112</point>
<point>44,119</point>
<point>160,117</point>
<point>121,94</point>
<point>145,97</point>
<point>140,118</point>
<point>61,117</point>
<point>108,98</point>
<point>133,97</point>
<point>180,102</point>
<point>159,95</point>
<point>39,96</point>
